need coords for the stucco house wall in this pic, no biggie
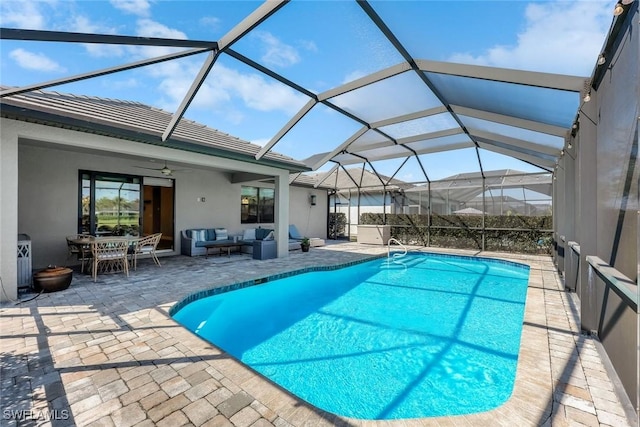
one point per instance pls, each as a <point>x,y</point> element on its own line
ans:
<point>48,198</point>
<point>39,193</point>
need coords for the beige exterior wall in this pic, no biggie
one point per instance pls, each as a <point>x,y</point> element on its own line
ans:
<point>39,193</point>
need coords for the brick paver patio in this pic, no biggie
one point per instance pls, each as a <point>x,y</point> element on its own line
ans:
<point>108,354</point>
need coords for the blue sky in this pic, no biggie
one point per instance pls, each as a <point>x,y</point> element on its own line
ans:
<point>317,44</point>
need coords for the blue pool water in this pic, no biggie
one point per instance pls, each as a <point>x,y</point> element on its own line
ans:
<point>430,335</point>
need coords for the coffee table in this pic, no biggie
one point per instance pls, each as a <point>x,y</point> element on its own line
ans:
<point>221,246</point>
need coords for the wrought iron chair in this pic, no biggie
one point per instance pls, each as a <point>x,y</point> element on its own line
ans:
<point>110,256</point>
<point>146,245</point>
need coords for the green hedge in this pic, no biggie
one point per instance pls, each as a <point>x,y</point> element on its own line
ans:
<point>520,234</point>
<point>337,224</point>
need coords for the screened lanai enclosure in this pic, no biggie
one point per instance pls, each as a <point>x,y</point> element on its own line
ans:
<point>503,210</point>
<point>381,103</point>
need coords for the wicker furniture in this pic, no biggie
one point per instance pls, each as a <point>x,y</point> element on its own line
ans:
<point>110,255</point>
<point>78,246</point>
<point>146,245</point>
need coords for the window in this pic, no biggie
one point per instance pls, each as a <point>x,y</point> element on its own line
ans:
<point>257,205</point>
<point>109,204</point>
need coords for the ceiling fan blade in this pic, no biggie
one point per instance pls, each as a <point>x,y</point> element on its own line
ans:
<point>151,169</point>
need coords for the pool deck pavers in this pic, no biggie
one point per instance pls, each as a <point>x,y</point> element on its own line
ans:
<point>108,354</point>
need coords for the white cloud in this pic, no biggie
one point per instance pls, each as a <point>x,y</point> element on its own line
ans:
<point>224,89</point>
<point>35,61</point>
<point>24,14</point>
<point>560,37</point>
<point>210,21</point>
<point>257,93</point>
<point>151,28</point>
<point>134,7</point>
<point>308,45</point>
<point>82,24</point>
<point>276,52</point>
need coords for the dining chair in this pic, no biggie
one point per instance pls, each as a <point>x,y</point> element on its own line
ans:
<point>110,255</point>
<point>146,245</point>
<point>78,246</point>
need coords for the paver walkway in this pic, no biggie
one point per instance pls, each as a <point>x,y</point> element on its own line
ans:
<point>106,353</point>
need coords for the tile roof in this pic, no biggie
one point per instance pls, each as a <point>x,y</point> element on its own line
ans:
<point>133,121</point>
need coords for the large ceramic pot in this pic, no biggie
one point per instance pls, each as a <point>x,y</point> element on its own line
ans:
<point>52,279</point>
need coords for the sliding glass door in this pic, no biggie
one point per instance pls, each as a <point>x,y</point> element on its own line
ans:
<point>110,204</point>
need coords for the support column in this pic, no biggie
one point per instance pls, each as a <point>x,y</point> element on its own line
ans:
<point>587,203</point>
<point>282,213</point>
<point>560,217</point>
<point>569,190</point>
<point>9,211</point>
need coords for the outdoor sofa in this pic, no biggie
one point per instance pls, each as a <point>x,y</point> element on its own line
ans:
<point>193,241</point>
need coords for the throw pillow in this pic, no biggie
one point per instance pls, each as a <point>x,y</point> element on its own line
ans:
<point>199,235</point>
<point>249,234</point>
<point>221,234</point>
<point>269,236</point>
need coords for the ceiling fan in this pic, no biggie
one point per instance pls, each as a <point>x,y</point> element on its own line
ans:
<point>165,170</point>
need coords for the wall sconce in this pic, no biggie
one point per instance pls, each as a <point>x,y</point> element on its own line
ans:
<point>617,11</point>
<point>312,199</point>
<point>587,97</point>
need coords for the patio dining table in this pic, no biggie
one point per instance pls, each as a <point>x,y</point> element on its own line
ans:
<point>84,245</point>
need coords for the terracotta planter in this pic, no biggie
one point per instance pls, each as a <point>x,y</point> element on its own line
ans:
<point>52,279</point>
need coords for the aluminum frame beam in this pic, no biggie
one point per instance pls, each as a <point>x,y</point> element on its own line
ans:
<point>517,143</point>
<point>544,164</point>
<point>365,81</point>
<point>98,73</point>
<point>511,121</point>
<point>526,78</point>
<point>69,37</point>
<point>382,26</point>
<point>265,10</point>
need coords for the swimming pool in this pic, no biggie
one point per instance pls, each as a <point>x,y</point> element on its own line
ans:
<point>428,335</point>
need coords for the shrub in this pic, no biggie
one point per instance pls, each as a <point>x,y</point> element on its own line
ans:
<point>337,224</point>
<point>508,233</point>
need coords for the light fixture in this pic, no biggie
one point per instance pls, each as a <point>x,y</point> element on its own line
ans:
<point>587,97</point>
<point>617,11</point>
<point>569,145</point>
<point>602,59</point>
<point>312,199</point>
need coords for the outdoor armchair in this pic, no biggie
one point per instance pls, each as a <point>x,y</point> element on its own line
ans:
<point>110,256</point>
<point>146,245</point>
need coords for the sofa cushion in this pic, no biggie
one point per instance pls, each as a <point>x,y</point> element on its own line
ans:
<point>294,233</point>
<point>221,234</point>
<point>211,234</point>
<point>199,235</point>
<point>249,234</point>
<point>261,233</point>
<point>269,236</point>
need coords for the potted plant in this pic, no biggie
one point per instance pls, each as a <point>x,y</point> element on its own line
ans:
<point>304,244</point>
